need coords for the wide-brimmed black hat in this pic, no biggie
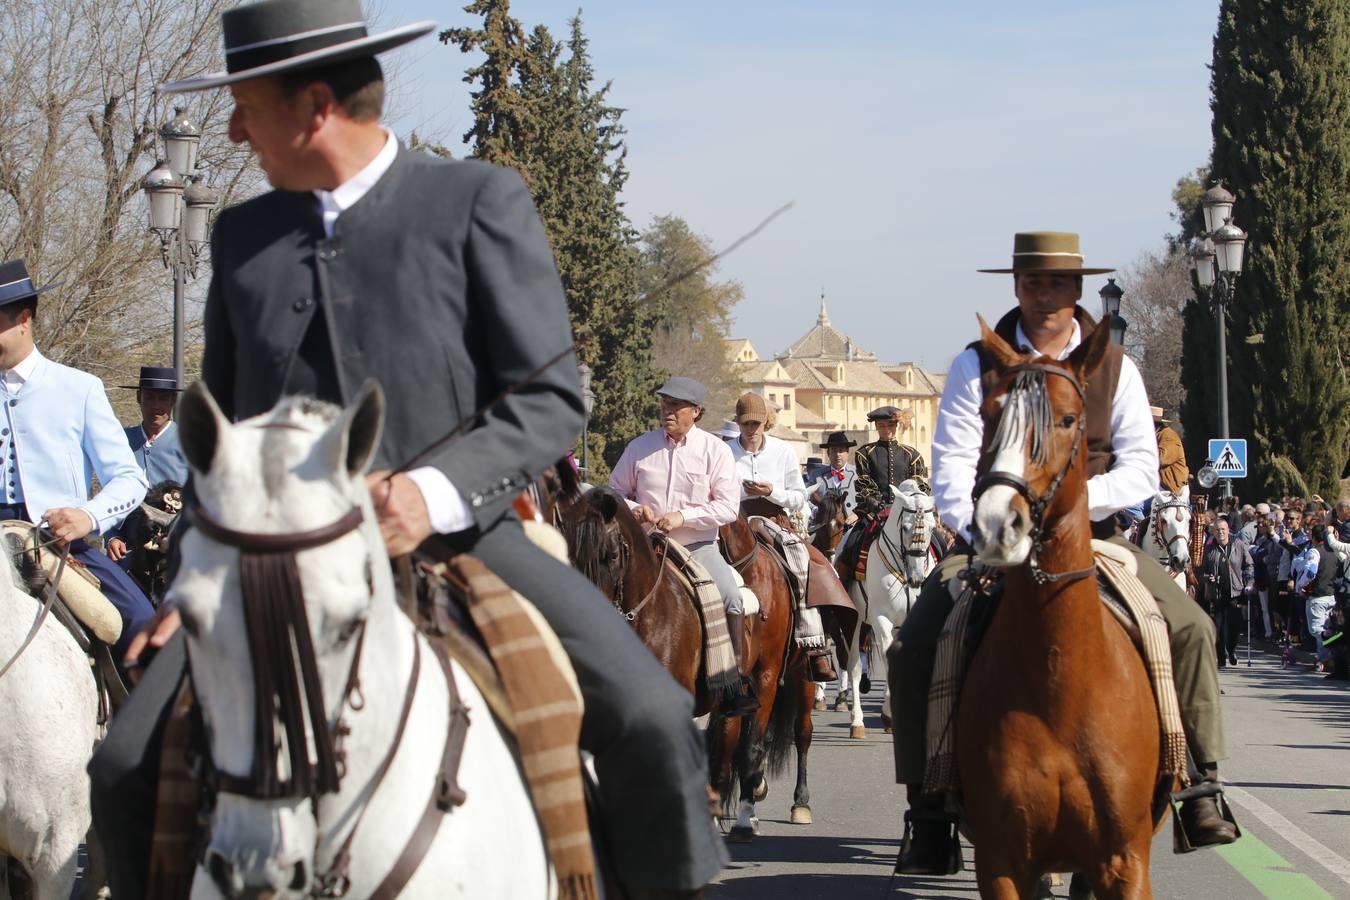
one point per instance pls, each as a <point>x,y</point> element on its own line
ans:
<point>16,285</point>
<point>155,378</point>
<point>838,439</point>
<point>274,36</point>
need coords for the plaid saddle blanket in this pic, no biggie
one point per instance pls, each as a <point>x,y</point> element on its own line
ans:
<point>719,660</point>
<point>1122,594</point>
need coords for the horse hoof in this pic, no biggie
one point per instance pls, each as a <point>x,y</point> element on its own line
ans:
<point>801,815</point>
<point>886,729</point>
<point>761,791</point>
<point>820,706</point>
<point>841,705</point>
<point>742,834</point>
<point>857,731</point>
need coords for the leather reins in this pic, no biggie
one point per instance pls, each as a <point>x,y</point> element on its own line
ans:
<point>279,643</point>
<point>1040,503</point>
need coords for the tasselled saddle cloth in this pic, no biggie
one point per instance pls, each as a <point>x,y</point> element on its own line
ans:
<point>719,659</point>
<point>808,630</point>
<point>1118,569</point>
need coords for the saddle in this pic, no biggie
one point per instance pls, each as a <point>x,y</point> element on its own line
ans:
<point>978,589</point>
<point>719,660</point>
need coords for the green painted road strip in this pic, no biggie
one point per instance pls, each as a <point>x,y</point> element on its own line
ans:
<point>1268,872</point>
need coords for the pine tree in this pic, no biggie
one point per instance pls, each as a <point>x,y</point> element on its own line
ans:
<point>1281,103</point>
<point>502,121</point>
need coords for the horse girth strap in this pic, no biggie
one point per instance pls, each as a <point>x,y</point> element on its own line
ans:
<point>286,681</point>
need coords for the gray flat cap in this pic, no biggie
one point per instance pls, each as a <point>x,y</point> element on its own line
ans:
<point>686,389</point>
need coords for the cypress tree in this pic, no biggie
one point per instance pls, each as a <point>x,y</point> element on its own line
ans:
<point>1281,103</point>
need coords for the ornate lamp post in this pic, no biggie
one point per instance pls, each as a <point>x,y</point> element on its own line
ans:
<point>1111,295</point>
<point>180,212</point>
<point>1218,263</point>
<point>588,401</point>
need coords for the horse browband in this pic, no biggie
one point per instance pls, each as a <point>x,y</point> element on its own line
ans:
<point>261,542</point>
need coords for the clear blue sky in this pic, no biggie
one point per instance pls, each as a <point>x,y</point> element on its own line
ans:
<point>913,138</point>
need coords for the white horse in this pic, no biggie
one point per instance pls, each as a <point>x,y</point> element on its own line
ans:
<point>300,469</point>
<point>1167,533</point>
<point>49,710</point>
<point>897,563</point>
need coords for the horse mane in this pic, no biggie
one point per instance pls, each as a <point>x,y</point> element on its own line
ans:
<point>1029,385</point>
<point>569,482</point>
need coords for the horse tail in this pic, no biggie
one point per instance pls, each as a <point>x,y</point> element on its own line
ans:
<point>780,737</point>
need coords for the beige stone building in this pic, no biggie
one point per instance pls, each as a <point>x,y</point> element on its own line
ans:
<point>826,382</point>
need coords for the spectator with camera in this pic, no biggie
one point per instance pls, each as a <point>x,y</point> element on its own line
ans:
<point>1229,577</point>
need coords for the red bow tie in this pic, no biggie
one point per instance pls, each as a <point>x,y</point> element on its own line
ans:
<point>838,473</point>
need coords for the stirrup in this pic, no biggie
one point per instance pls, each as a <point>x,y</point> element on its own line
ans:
<point>952,856</point>
<point>1183,842</point>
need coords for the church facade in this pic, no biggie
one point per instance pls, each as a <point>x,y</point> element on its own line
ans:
<point>826,382</point>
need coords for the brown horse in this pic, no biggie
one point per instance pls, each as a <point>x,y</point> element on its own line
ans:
<point>1057,735</point>
<point>829,522</point>
<point>786,692</point>
<point>608,545</point>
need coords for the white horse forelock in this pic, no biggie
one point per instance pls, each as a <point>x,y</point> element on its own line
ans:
<point>996,536</point>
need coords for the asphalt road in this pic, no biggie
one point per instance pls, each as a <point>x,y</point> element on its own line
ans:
<point>1289,737</point>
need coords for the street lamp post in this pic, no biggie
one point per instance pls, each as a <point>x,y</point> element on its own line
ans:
<point>1218,263</point>
<point>587,401</point>
<point>1111,295</point>
<point>180,212</point>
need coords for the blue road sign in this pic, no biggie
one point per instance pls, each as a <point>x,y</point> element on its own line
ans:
<point>1229,457</point>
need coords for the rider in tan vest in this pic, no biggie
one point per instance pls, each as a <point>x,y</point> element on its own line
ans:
<point>1122,466</point>
<point>1172,469</point>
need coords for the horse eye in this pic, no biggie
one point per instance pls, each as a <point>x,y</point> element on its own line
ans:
<point>1067,422</point>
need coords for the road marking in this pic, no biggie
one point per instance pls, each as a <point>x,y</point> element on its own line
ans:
<point>1320,853</point>
<point>1268,872</point>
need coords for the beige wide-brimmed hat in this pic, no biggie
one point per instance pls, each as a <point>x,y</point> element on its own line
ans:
<point>1159,414</point>
<point>1047,252</point>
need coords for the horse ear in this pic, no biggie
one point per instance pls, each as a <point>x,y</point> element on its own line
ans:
<point>200,426</point>
<point>1000,350</point>
<point>607,502</point>
<point>361,426</point>
<point>1088,355</point>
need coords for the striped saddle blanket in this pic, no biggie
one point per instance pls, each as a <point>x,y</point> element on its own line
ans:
<point>1124,596</point>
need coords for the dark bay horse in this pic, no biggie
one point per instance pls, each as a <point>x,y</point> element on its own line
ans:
<point>786,692</point>
<point>1057,736</point>
<point>607,544</point>
<point>829,522</point>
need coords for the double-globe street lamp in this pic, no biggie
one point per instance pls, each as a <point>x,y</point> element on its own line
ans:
<point>1218,263</point>
<point>1111,295</point>
<point>180,212</point>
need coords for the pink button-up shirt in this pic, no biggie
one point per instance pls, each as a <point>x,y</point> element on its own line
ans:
<point>695,477</point>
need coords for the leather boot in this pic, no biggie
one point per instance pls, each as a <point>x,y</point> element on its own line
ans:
<point>1200,817</point>
<point>931,847</point>
<point>746,701</point>
<point>821,668</point>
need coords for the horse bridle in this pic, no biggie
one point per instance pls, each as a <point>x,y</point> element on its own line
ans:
<point>1040,503</point>
<point>280,643</point>
<point>1158,510</point>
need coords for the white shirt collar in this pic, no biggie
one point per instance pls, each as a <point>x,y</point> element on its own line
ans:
<point>18,376</point>
<point>1023,342</point>
<point>333,203</point>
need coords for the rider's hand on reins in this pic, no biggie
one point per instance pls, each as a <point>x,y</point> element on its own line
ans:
<point>68,524</point>
<point>117,548</point>
<point>670,521</point>
<point>401,510</point>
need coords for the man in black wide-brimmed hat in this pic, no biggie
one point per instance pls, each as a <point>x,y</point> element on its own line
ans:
<point>434,277</point>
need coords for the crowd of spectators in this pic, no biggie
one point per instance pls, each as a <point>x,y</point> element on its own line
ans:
<point>1285,563</point>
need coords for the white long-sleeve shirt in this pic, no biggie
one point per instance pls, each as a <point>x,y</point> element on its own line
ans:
<point>776,464</point>
<point>1132,478</point>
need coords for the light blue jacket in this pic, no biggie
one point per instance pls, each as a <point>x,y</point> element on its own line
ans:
<point>64,430</point>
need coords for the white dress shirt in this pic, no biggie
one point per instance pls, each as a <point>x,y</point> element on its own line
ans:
<point>775,463</point>
<point>18,376</point>
<point>446,507</point>
<point>1132,478</point>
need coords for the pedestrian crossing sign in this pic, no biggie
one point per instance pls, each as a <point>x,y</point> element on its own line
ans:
<point>1228,456</point>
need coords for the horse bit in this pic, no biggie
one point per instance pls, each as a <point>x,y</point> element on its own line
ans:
<point>1040,503</point>
<point>279,643</point>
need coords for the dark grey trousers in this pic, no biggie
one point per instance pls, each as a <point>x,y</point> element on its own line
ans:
<point>1194,666</point>
<point>650,760</point>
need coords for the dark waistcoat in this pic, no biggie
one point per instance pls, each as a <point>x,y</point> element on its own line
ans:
<point>1100,388</point>
<point>439,283</point>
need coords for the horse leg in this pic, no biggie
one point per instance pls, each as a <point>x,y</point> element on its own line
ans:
<point>750,774</point>
<point>820,697</point>
<point>801,796</point>
<point>724,734</point>
<point>845,690</point>
<point>856,728</point>
<point>998,885</point>
<point>883,634</point>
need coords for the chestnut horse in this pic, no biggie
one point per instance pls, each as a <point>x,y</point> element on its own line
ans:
<point>1057,733</point>
<point>609,546</point>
